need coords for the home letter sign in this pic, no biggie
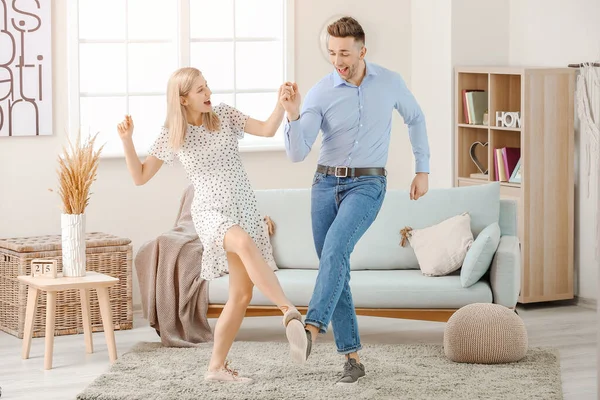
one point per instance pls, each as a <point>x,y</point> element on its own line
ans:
<point>508,119</point>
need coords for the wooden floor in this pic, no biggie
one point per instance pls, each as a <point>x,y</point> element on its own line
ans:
<point>571,328</point>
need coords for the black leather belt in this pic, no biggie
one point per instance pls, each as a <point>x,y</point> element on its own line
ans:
<point>343,172</point>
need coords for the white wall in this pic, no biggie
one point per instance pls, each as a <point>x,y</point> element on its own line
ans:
<point>480,32</point>
<point>431,58</point>
<point>480,36</point>
<point>556,33</point>
<point>27,164</point>
<point>446,34</point>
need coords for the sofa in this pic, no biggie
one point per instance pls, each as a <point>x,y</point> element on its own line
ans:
<point>385,278</point>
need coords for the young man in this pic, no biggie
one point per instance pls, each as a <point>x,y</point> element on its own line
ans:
<point>353,107</point>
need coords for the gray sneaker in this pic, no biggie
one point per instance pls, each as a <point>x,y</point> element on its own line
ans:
<point>352,372</point>
<point>308,342</point>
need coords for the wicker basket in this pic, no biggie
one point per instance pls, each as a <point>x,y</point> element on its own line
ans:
<point>105,253</point>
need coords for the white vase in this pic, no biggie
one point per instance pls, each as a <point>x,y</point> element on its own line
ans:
<point>73,244</point>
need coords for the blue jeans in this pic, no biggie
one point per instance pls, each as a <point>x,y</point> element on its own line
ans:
<point>342,210</point>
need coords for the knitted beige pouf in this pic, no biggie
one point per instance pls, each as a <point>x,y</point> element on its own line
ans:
<point>485,333</point>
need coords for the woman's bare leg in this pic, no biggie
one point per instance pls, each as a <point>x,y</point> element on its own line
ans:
<point>239,242</point>
<point>230,320</point>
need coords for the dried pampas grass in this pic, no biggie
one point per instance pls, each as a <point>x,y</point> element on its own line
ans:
<point>77,167</point>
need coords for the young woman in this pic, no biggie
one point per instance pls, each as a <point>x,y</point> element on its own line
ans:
<point>225,214</point>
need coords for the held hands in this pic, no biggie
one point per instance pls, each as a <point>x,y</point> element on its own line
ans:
<point>125,128</point>
<point>289,98</point>
<point>419,186</point>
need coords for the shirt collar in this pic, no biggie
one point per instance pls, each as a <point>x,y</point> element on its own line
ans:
<point>337,79</point>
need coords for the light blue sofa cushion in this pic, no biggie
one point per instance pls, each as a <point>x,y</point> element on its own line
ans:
<point>508,217</point>
<point>372,289</point>
<point>379,248</point>
<point>505,272</point>
<point>479,256</point>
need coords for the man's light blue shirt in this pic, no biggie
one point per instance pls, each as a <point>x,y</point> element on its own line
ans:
<point>356,121</point>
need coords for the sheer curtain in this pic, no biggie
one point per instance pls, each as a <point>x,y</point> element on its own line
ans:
<point>588,107</point>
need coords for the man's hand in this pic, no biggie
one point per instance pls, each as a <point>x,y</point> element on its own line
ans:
<point>419,186</point>
<point>290,100</point>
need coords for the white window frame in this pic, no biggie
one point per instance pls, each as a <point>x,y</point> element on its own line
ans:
<point>182,43</point>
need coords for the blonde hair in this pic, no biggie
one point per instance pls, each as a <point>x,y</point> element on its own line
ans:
<point>179,85</point>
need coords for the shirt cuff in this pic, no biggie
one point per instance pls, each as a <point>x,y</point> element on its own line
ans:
<point>422,166</point>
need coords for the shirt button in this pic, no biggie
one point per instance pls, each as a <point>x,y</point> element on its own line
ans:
<point>356,142</point>
<point>361,125</point>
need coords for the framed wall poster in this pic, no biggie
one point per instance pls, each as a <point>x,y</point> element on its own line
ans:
<point>25,68</point>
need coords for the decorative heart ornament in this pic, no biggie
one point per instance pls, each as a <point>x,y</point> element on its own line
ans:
<point>474,157</point>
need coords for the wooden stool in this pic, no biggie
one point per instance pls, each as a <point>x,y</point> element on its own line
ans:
<point>51,286</point>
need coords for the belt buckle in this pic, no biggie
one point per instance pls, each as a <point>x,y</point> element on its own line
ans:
<point>345,172</point>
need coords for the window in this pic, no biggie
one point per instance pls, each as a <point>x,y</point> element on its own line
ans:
<point>122,52</point>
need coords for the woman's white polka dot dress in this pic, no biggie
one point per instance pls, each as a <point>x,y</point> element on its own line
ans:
<point>223,196</point>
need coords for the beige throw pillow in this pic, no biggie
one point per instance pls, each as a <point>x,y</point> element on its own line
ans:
<point>441,249</point>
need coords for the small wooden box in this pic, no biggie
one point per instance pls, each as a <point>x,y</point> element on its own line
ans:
<point>105,253</point>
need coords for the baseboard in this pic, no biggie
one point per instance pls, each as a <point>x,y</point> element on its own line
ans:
<point>587,303</point>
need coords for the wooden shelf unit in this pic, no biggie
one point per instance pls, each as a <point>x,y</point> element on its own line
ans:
<point>545,196</point>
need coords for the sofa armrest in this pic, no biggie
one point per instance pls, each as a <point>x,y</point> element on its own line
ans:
<point>505,272</point>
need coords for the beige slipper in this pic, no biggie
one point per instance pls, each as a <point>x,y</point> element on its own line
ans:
<point>226,374</point>
<point>296,335</point>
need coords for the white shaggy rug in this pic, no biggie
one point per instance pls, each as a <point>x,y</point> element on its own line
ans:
<point>151,371</point>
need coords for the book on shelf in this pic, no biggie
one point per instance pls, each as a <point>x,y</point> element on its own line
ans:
<point>506,162</point>
<point>475,104</point>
